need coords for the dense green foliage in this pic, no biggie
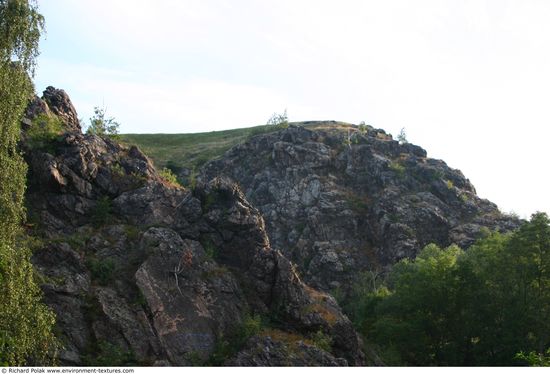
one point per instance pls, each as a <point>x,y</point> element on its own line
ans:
<point>25,323</point>
<point>452,307</point>
<point>535,359</point>
<point>169,176</point>
<point>44,131</point>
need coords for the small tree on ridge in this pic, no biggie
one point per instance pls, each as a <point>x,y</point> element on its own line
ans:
<point>102,125</point>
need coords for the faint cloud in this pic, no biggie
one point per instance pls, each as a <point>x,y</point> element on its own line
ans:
<point>169,104</point>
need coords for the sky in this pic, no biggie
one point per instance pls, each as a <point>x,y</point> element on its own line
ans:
<point>468,80</point>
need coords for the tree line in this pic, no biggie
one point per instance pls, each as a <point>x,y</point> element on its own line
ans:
<point>489,305</point>
<point>25,323</point>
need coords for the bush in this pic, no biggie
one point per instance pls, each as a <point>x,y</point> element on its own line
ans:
<point>108,354</point>
<point>102,125</point>
<point>227,347</point>
<point>169,176</point>
<point>322,341</point>
<point>44,131</point>
<point>101,213</point>
<point>397,168</point>
<point>102,270</point>
<point>535,359</point>
<point>252,325</point>
<point>402,136</point>
<point>278,119</point>
<point>210,250</point>
<point>118,170</point>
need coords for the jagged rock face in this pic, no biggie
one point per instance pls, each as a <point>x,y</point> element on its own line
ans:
<point>68,185</point>
<point>269,277</point>
<point>57,102</point>
<point>191,299</point>
<point>131,263</point>
<point>36,107</point>
<point>340,201</point>
<point>60,104</point>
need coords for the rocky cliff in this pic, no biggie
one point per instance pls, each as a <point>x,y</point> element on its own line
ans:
<point>339,200</point>
<point>234,271</point>
<point>141,271</point>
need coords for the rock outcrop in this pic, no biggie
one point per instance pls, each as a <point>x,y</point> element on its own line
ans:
<point>57,102</point>
<point>146,272</point>
<point>338,200</point>
<point>151,273</point>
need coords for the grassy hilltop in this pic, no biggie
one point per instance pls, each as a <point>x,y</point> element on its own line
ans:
<point>192,150</point>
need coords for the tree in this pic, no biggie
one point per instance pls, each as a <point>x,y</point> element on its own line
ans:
<point>530,252</point>
<point>535,359</point>
<point>278,119</point>
<point>25,323</point>
<point>402,137</point>
<point>484,306</point>
<point>102,125</point>
<point>417,319</point>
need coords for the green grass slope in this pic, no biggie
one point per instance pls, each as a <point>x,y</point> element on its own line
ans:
<point>191,151</point>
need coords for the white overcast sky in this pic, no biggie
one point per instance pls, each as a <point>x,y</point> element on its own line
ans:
<point>468,80</point>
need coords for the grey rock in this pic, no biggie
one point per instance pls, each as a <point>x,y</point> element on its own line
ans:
<point>36,107</point>
<point>65,280</point>
<point>191,300</point>
<point>60,104</point>
<point>338,209</point>
<point>264,351</point>
<point>130,322</point>
<point>273,282</point>
<point>166,273</point>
